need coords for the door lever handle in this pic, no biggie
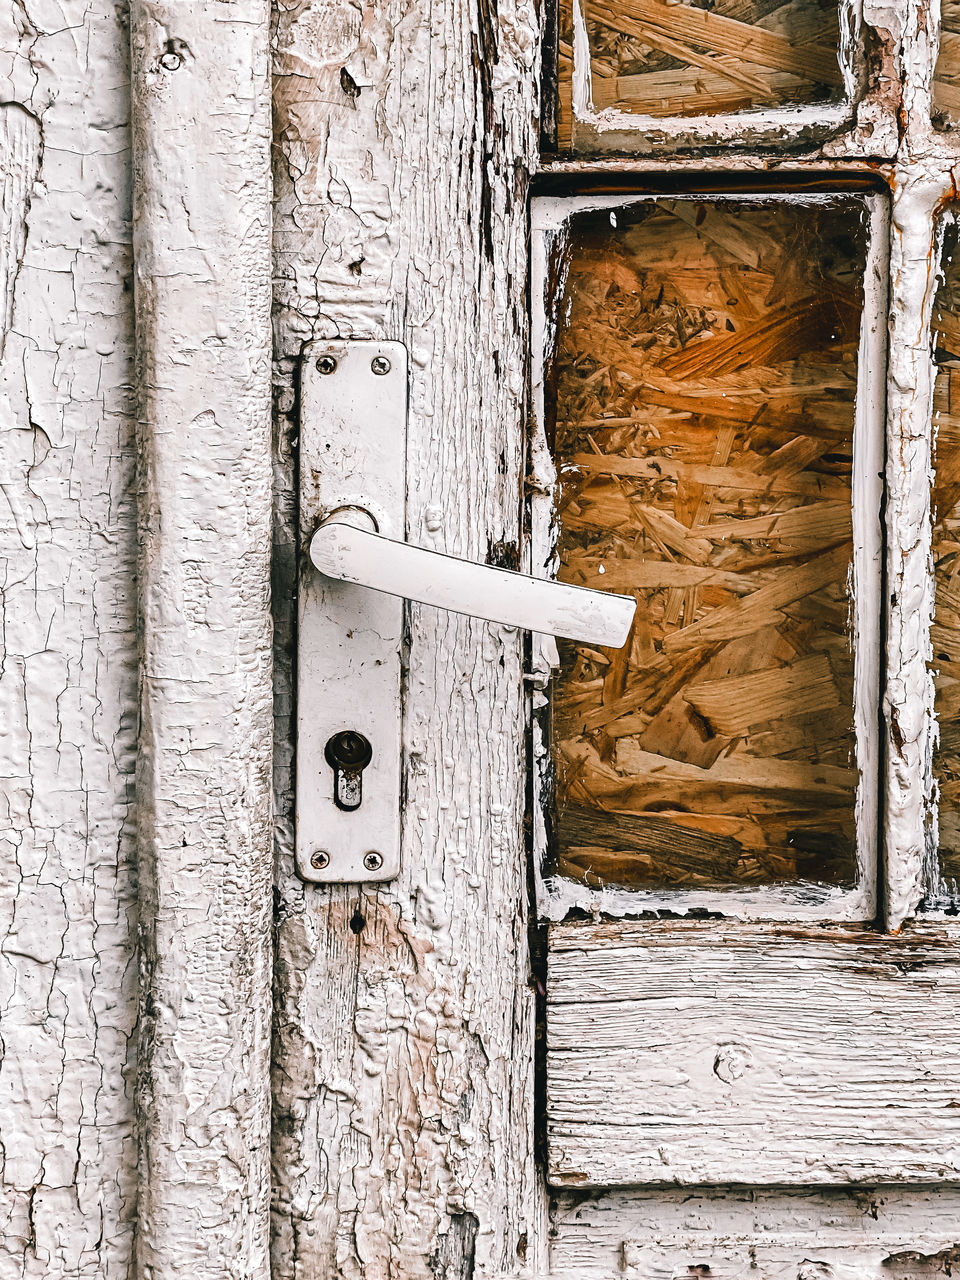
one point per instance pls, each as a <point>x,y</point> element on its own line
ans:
<point>347,547</point>
<point>351,636</point>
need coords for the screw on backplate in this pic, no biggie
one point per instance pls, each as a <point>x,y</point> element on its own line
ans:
<point>380,365</point>
<point>326,364</point>
<point>373,861</point>
<point>320,859</point>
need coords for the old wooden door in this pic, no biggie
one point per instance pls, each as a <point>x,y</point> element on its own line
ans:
<point>762,1015</point>
<point>602,1021</point>
<point>767,1020</point>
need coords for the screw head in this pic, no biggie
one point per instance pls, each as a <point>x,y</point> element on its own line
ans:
<point>380,365</point>
<point>320,860</point>
<point>326,364</point>
<point>373,861</point>
<point>171,61</point>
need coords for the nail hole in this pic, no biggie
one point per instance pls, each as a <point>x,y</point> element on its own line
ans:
<point>348,84</point>
<point>170,59</point>
<point>357,923</point>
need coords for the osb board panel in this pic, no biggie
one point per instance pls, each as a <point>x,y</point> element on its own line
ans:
<point>946,78</point>
<point>697,59</point>
<point>945,510</point>
<point>705,1052</point>
<point>646,77</point>
<point>701,407</point>
<point>875,1233</point>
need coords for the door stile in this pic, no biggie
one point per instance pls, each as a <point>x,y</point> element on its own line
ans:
<point>404,1115</point>
<point>923,183</point>
<point>201,130</point>
<point>908,696</point>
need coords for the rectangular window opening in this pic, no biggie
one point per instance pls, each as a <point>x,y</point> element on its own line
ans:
<point>634,73</point>
<point>712,410</point>
<point>946,77</point>
<point>945,513</point>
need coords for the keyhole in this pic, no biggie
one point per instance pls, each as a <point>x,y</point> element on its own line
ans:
<point>348,753</point>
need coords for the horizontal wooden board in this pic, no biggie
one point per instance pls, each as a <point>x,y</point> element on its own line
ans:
<point>832,1233</point>
<point>711,1052</point>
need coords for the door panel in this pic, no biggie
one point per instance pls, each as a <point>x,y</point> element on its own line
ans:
<point>709,437</point>
<point>712,1052</point>
<point>647,77</point>
<point>701,406</point>
<point>875,1233</point>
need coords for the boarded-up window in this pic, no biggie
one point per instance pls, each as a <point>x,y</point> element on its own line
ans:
<point>945,503</point>
<point>705,57</point>
<point>946,80</point>
<point>700,407</point>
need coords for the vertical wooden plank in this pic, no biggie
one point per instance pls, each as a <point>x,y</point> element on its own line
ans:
<point>908,699</point>
<point>67,646</point>
<point>202,257</point>
<point>405,1022</point>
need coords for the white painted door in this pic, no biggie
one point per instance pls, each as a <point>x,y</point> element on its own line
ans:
<point>513,1057</point>
<point>732,1077</point>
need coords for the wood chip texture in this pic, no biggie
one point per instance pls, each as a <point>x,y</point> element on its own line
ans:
<point>945,503</point>
<point>946,76</point>
<point>702,402</point>
<point>701,59</point>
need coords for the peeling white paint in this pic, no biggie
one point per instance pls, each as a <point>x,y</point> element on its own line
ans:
<point>404,1096</point>
<point>201,132</point>
<point>67,647</point>
<point>403,1141</point>
<point>876,1233</point>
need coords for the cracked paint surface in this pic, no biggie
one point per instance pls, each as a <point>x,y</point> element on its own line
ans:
<point>364,1149</point>
<point>67,646</point>
<point>201,206</point>
<point>403,1131</point>
<point>403,1104</point>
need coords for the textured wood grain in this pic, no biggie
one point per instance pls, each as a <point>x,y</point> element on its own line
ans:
<point>945,630</point>
<point>67,647</point>
<point>946,80</point>
<point>876,1233</point>
<point>403,1142</point>
<point>741,43</point>
<point>720,1053</point>
<point>202,273</point>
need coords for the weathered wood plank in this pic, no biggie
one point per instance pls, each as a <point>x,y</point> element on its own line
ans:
<point>201,131</point>
<point>68,649</point>
<point>877,1233</point>
<point>908,684</point>
<point>711,1052</point>
<point>404,1122</point>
